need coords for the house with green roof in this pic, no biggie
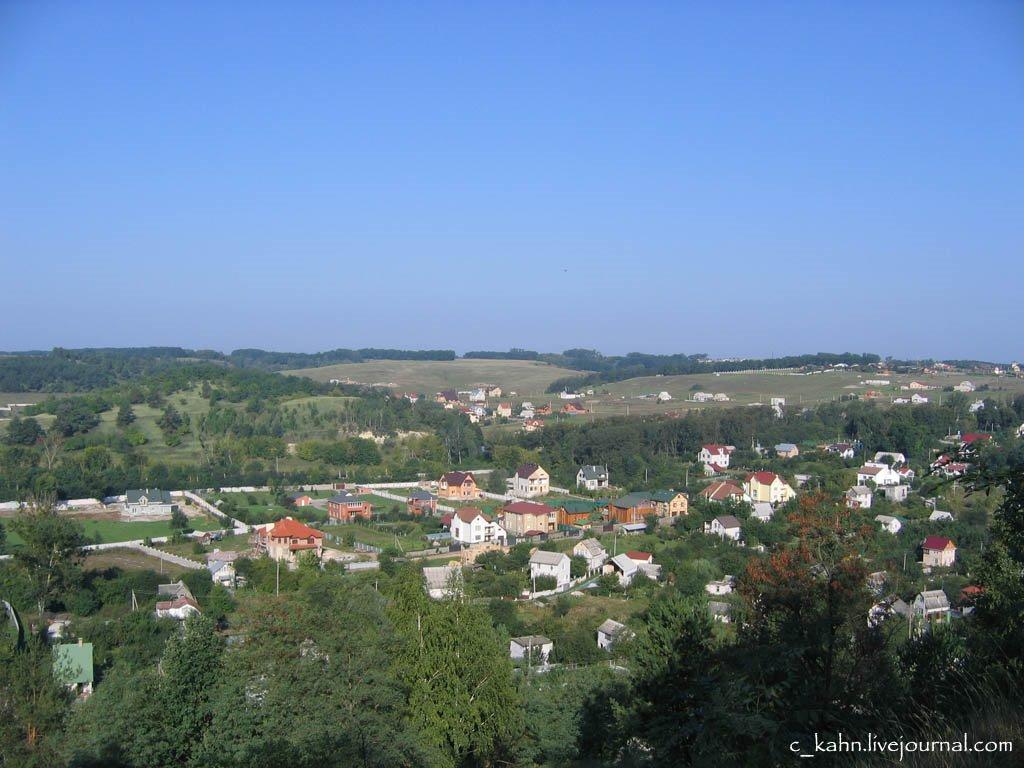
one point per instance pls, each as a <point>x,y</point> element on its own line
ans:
<point>631,508</point>
<point>72,665</point>
<point>577,511</point>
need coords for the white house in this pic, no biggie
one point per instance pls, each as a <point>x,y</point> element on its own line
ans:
<point>895,493</point>
<point>179,608</point>
<point>550,564</point>
<point>627,568</point>
<point>610,632</point>
<point>221,566</point>
<point>726,526</point>
<point>964,386</point>
<point>591,551</point>
<point>723,586</point>
<point>531,480</point>
<point>148,501</point>
<point>891,524</point>
<point>715,454</point>
<point>917,399</point>
<point>763,511</point>
<point>930,607</point>
<point>940,517</point>
<point>471,526</point>
<point>859,497</point>
<point>592,477</point>
<point>879,474</point>
<point>535,648</point>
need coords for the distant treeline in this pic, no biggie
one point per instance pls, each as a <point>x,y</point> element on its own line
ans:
<point>258,358</point>
<point>79,370</point>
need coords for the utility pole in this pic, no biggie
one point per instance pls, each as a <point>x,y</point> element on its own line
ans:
<point>135,603</point>
<point>277,587</point>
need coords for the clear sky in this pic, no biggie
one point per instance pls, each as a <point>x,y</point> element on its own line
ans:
<point>731,178</point>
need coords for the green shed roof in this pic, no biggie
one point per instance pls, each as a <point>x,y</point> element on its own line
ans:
<point>73,662</point>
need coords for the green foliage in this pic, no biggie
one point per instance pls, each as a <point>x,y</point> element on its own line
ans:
<point>50,552</point>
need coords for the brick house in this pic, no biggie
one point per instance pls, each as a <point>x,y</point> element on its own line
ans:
<point>458,485</point>
<point>286,538</point>
<point>344,507</point>
<point>524,518</point>
<point>421,502</point>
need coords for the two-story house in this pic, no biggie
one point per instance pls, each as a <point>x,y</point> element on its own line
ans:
<point>287,538</point>
<point>670,503</point>
<point>592,477</point>
<point>726,526</point>
<point>631,508</point>
<point>421,502</point>
<point>344,507</point>
<point>768,486</point>
<point>591,551</point>
<point>148,501</point>
<point>938,551</point>
<point>471,526</point>
<point>527,518</point>
<point>460,486</point>
<point>554,564</point>
<point>715,454</point>
<point>531,480</point>
<point>878,473</point>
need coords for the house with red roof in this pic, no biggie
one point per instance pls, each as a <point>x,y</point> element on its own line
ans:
<point>527,518</point>
<point>938,551</point>
<point>715,454</point>
<point>458,485</point>
<point>970,438</point>
<point>286,539</point>
<point>722,491</point>
<point>180,608</point>
<point>640,557</point>
<point>769,487</point>
<point>573,409</point>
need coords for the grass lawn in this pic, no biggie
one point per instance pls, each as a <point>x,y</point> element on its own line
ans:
<point>527,378</point>
<point>190,403</point>
<point>117,530</point>
<point>745,388</point>
<point>130,560</point>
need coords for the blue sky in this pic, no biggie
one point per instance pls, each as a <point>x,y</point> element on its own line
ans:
<point>730,178</point>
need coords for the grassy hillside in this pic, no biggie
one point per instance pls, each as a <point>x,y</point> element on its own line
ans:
<point>757,387</point>
<point>525,377</point>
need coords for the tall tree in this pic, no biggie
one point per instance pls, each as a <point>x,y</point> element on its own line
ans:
<point>50,553</point>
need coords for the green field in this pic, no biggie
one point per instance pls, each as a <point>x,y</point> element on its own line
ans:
<point>746,388</point>
<point>525,377</point>
<point>106,531</point>
<point>130,560</point>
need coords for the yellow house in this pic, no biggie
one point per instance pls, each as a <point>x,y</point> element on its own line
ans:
<point>769,487</point>
<point>670,503</point>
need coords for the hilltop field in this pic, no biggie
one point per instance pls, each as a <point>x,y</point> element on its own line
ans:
<point>528,379</point>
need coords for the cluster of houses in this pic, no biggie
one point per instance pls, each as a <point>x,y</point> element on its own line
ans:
<point>474,404</point>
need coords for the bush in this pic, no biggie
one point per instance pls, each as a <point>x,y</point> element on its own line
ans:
<point>544,583</point>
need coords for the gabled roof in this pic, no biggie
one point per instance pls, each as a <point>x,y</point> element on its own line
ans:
<point>526,470</point>
<point>636,554</point>
<point>179,602</point>
<point>418,494</point>
<point>631,500</point>
<point>665,496</point>
<point>716,448</point>
<point>624,563</point>
<point>721,491</point>
<point>937,543</point>
<point>154,495</point>
<point>542,557</point>
<point>469,514</point>
<point>934,600</point>
<point>973,437</point>
<point>728,521</point>
<point>593,472</point>
<point>457,478</point>
<point>527,508</point>
<point>611,627</point>
<point>344,498</point>
<point>531,640</point>
<point>593,546</point>
<point>763,478</point>
<point>578,506</point>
